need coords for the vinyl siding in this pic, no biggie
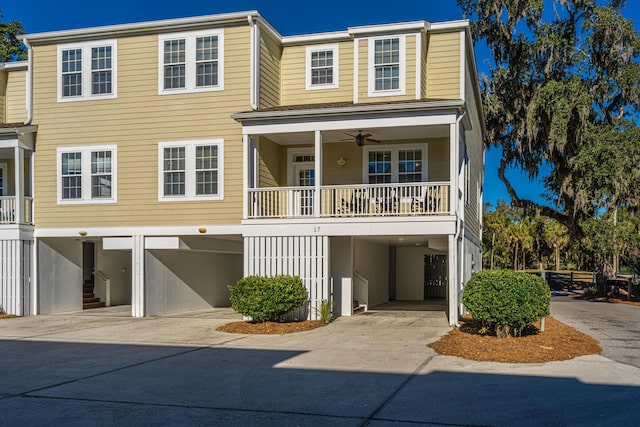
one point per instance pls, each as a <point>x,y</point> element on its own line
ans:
<point>294,69</point>
<point>475,147</point>
<point>423,80</point>
<point>270,165</point>
<point>3,96</point>
<point>136,122</point>
<point>443,66</point>
<point>270,64</point>
<point>16,89</point>
<point>410,72</point>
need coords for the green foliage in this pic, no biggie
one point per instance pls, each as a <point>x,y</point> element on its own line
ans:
<point>326,307</point>
<point>562,96</point>
<point>11,49</point>
<point>506,301</point>
<point>267,298</point>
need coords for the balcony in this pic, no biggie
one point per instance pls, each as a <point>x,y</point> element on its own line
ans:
<point>343,201</point>
<point>8,210</point>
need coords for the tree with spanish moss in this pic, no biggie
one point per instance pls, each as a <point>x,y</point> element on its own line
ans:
<point>563,91</point>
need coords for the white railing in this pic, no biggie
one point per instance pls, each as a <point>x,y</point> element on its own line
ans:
<point>410,199</point>
<point>281,202</point>
<point>8,210</point>
<point>362,200</point>
<point>102,287</point>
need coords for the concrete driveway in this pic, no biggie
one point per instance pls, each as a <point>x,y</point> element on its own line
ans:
<point>371,369</point>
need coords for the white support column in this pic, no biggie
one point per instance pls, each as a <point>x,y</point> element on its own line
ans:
<point>247,169</point>
<point>453,280</point>
<point>32,187</point>
<point>318,173</point>
<point>137,283</point>
<point>18,159</point>
<point>453,169</point>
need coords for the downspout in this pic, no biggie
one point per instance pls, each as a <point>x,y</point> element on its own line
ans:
<point>29,82</point>
<point>458,234</point>
<point>254,54</point>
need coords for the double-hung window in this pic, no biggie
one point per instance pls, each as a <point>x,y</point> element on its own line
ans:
<point>191,62</point>
<point>395,164</point>
<point>387,66</point>
<point>190,170</point>
<point>87,174</point>
<point>322,67</point>
<point>87,71</point>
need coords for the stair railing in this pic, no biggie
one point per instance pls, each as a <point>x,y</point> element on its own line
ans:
<point>103,291</point>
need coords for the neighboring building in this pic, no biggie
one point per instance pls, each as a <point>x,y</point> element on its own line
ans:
<point>159,162</point>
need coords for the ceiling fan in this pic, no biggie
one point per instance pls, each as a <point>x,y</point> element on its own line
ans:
<point>361,139</point>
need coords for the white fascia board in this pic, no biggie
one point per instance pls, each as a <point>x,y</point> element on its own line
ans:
<point>410,226</point>
<point>16,232</point>
<point>475,80</point>
<point>360,123</point>
<point>318,37</point>
<point>390,28</point>
<point>166,25</point>
<point>137,231</point>
<point>460,24</point>
<point>270,28</point>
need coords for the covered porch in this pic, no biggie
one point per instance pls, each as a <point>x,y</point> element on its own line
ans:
<point>352,161</point>
<point>17,146</point>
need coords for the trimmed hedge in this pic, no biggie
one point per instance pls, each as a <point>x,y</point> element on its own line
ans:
<point>267,298</point>
<point>506,301</point>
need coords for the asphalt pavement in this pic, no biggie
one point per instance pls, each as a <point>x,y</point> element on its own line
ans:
<point>369,370</point>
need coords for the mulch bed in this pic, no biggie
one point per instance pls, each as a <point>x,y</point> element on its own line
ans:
<point>7,316</point>
<point>273,328</point>
<point>557,342</point>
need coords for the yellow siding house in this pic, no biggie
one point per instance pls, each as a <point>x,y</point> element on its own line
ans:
<point>150,165</point>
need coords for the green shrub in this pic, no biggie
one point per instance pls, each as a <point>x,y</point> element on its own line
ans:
<point>267,298</point>
<point>506,301</point>
<point>590,291</point>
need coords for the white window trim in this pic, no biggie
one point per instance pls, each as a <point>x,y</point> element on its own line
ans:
<point>86,151</point>
<point>190,61</point>
<point>86,70</point>
<point>190,170</point>
<point>402,84</point>
<point>291,155</point>
<point>327,47</point>
<point>394,148</point>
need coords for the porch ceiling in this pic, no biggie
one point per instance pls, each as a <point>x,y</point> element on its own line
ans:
<point>438,243</point>
<point>379,133</point>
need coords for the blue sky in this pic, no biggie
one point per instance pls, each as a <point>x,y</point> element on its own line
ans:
<point>288,17</point>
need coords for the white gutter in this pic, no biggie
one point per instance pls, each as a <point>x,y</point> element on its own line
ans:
<point>350,109</point>
<point>29,100</point>
<point>167,25</point>
<point>458,233</point>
